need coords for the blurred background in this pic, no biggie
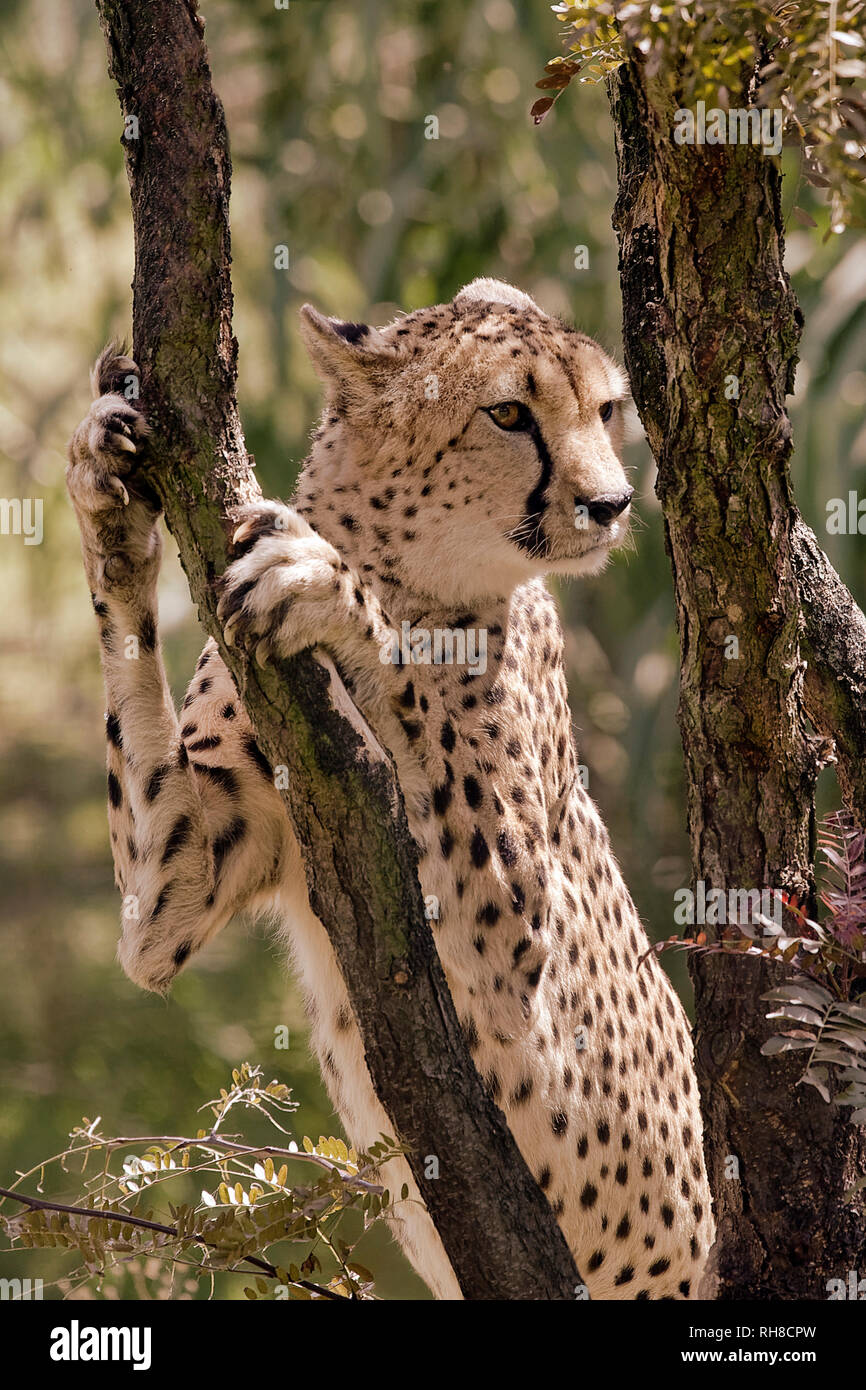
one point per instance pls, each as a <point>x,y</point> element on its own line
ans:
<point>327,106</point>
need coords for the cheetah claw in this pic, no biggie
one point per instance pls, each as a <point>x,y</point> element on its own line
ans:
<point>230,625</point>
<point>123,442</point>
<point>118,487</point>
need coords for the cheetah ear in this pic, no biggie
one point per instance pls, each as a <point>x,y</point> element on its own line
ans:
<point>346,354</point>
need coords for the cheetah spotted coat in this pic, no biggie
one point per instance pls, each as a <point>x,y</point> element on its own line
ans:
<point>465,452</point>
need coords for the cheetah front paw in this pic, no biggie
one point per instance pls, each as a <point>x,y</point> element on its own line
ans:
<point>285,592</point>
<point>106,447</point>
<point>116,510</point>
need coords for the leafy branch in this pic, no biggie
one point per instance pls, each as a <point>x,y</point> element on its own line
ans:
<point>829,958</point>
<point>834,1033</point>
<point>806,59</point>
<point>248,1206</point>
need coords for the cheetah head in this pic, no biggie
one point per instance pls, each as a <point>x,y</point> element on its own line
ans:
<point>471,446</point>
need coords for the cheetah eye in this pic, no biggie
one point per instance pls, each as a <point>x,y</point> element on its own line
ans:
<point>605,411</point>
<point>509,415</point>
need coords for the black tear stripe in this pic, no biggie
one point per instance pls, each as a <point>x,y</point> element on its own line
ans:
<point>531,535</point>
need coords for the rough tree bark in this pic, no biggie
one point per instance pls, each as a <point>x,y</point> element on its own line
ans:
<point>495,1223</point>
<point>833,642</point>
<point>706,299</point>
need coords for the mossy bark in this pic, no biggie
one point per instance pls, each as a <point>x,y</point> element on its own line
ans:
<point>711,329</point>
<point>497,1227</point>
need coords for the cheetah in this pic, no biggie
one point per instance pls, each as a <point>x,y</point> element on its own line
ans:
<point>465,452</point>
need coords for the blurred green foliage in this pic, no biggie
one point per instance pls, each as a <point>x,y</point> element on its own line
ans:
<point>328,107</point>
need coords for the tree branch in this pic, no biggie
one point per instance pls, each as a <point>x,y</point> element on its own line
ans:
<point>707,307</point>
<point>232,1150</point>
<point>834,644</point>
<point>103,1214</point>
<point>343,797</point>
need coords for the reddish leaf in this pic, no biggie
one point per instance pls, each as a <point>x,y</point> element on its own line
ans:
<point>555,80</point>
<point>540,108</point>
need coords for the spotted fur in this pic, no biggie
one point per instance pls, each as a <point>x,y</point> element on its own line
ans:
<point>416,506</point>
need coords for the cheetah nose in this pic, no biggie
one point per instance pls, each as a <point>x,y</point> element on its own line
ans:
<point>603,510</point>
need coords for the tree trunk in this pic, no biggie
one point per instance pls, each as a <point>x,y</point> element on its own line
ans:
<point>496,1225</point>
<point>711,330</point>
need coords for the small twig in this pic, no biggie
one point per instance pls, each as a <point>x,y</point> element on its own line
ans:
<point>242,1151</point>
<point>39,1204</point>
<point>89,1213</point>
